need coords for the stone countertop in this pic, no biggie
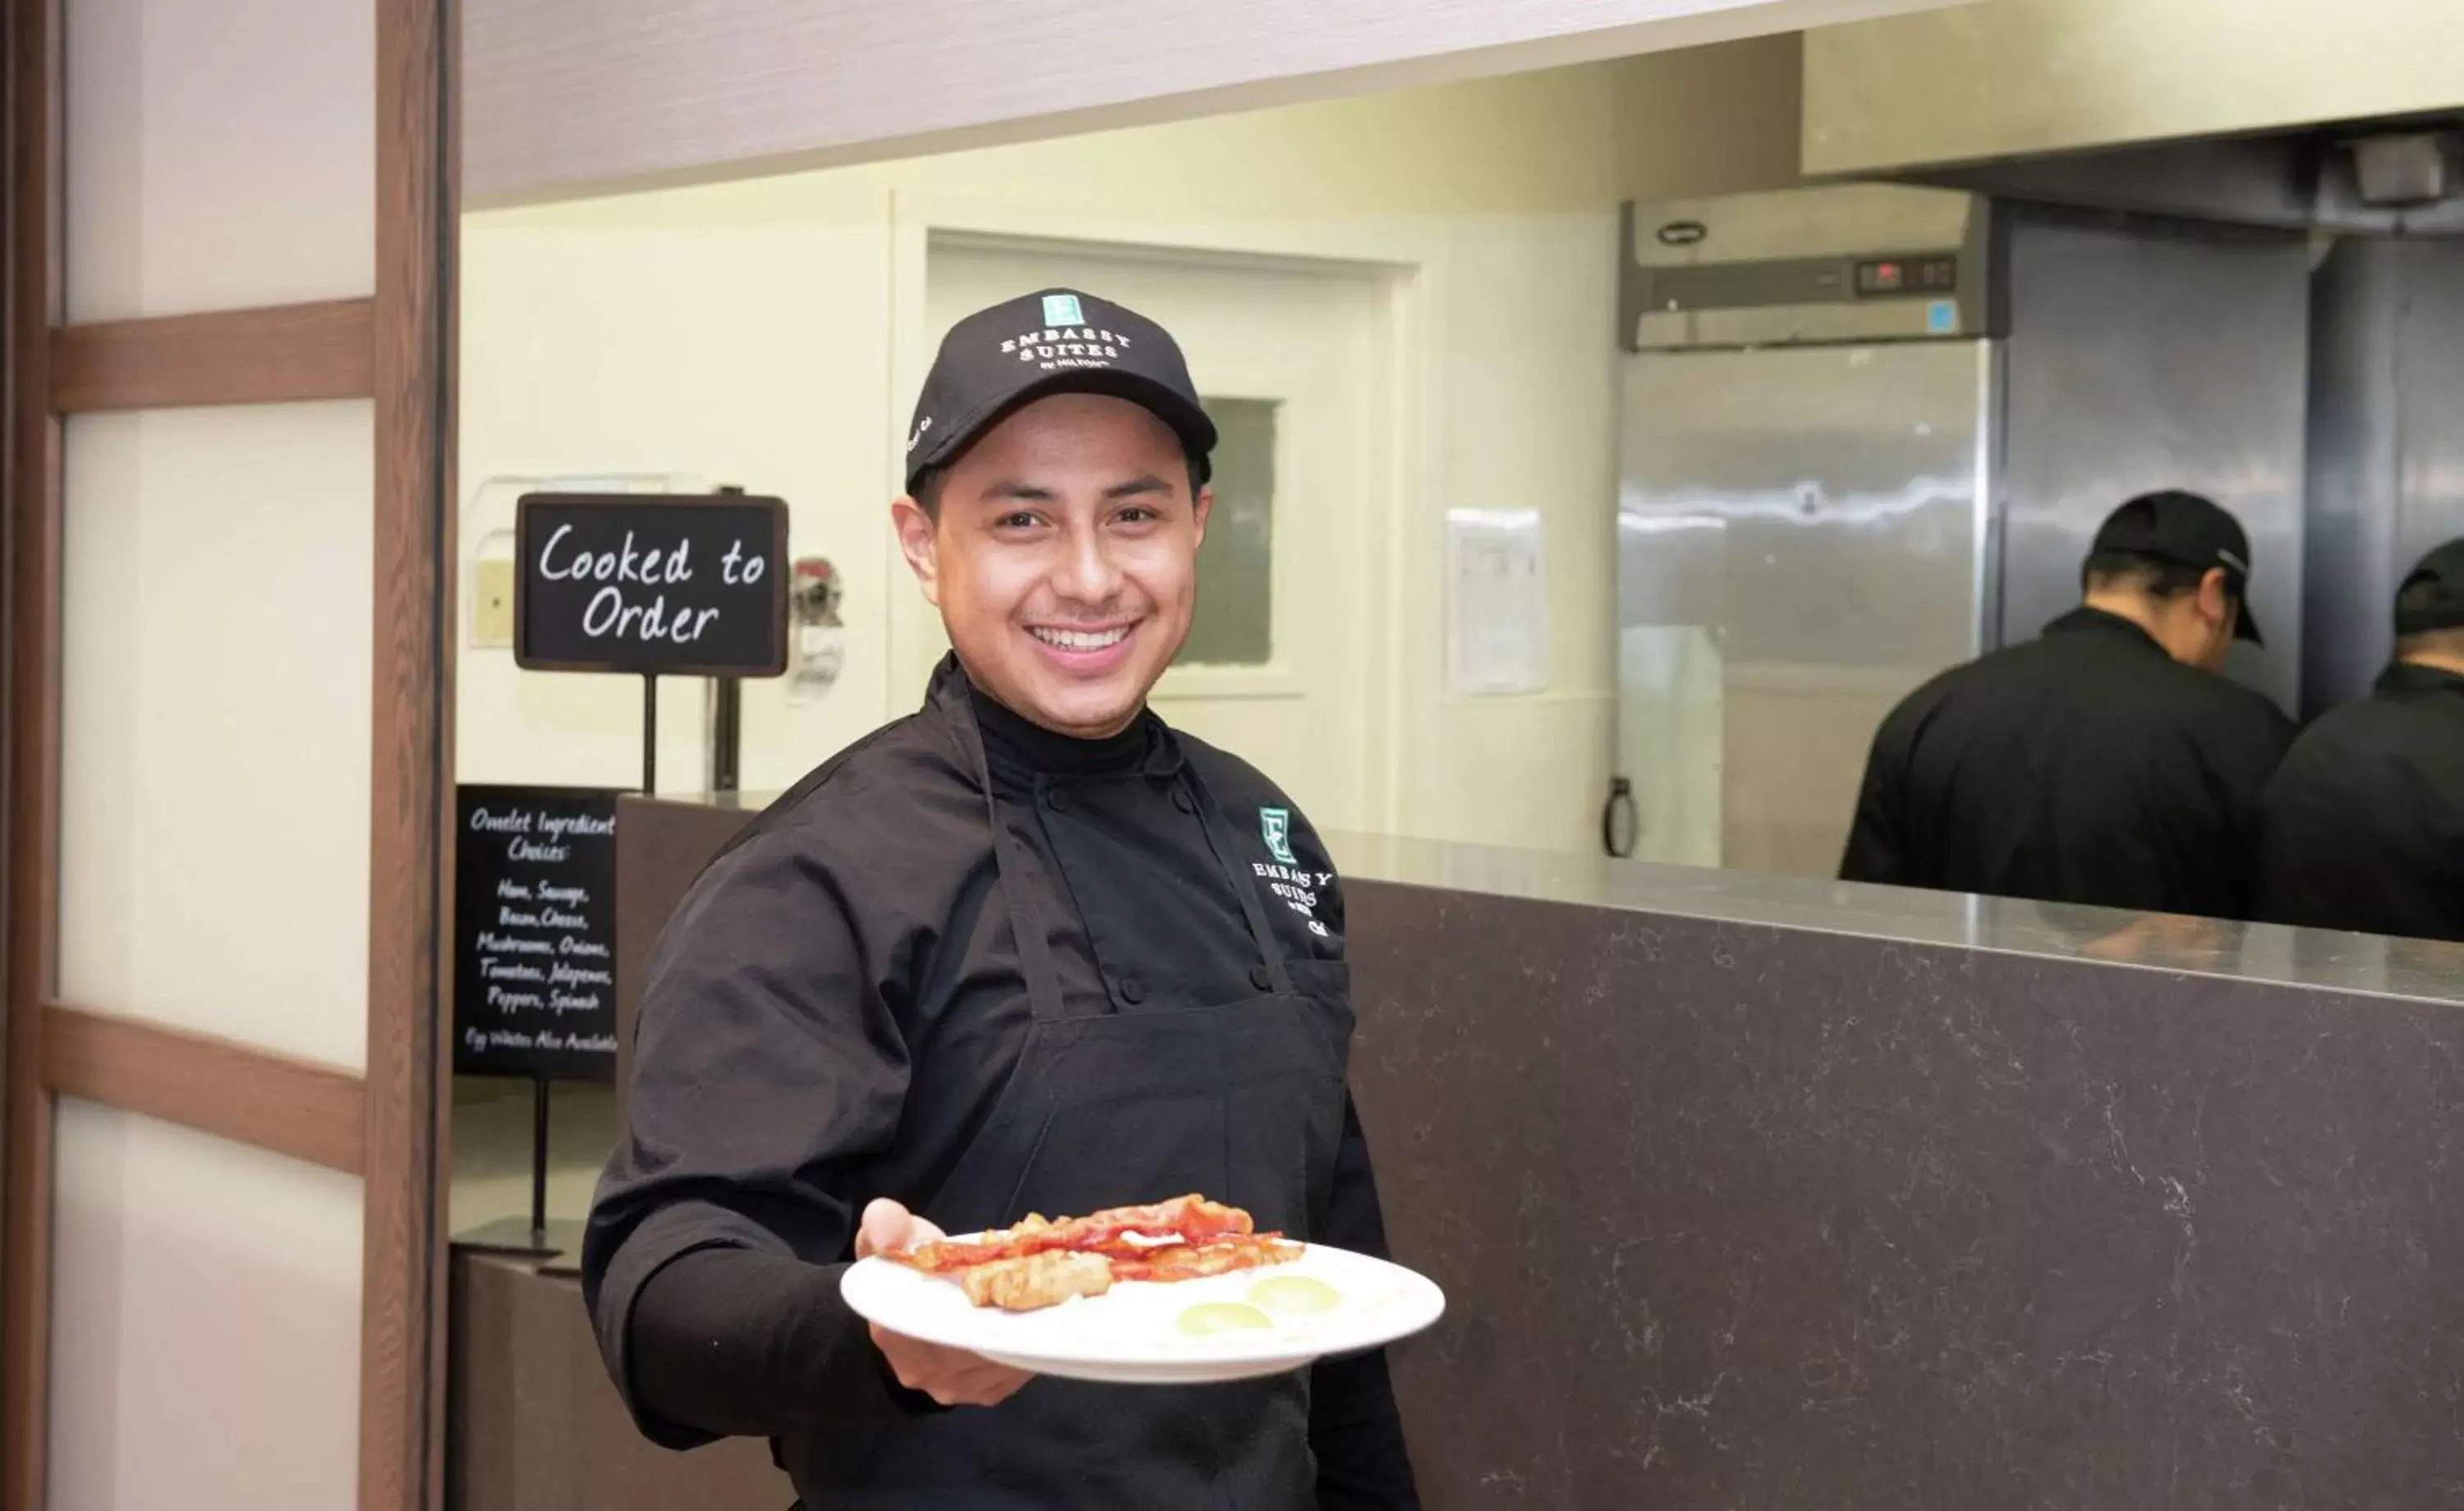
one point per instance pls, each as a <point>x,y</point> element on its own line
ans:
<point>2360,963</point>
<point>1753,1192</point>
<point>1736,1214</point>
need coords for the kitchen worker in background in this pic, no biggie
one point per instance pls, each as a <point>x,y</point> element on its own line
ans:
<point>1028,950</point>
<point>2362,828</point>
<point>2108,761</point>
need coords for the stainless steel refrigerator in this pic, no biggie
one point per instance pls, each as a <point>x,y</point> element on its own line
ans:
<point>1868,432</point>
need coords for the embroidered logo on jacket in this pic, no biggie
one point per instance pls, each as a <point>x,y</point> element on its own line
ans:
<point>1275,827</point>
<point>1299,890</point>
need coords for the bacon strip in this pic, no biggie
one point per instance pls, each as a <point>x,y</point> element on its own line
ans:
<point>1193,1219</point>
<point>1041,1262</point>
<point>1194,1261</point>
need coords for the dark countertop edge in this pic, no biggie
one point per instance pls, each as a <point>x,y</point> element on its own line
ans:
<point>2360,964</point>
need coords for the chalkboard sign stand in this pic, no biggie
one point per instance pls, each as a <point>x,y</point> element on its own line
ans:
<point>726,733</point>
<point>535,1236</point>
<point>538,1159</point>
<point>533,975</point>
<point>649,734</point>
<point>540,1237</point>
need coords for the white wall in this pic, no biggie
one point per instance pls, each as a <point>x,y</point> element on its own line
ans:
<point>746,333</point>
<point>2043,76</point>
<point>215,755</point>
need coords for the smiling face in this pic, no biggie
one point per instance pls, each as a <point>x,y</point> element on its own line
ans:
<point>1063,555</point>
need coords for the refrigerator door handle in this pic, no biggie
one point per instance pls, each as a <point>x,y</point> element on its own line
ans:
<point>1620,795</point>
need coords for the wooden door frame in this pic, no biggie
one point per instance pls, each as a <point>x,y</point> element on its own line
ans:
<point>29,742</point>
<point>388,1122</point>
<point>410,849</point>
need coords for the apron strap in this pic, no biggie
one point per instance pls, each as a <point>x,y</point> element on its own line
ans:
<point>1034,944</point>
<point>1244,886</point>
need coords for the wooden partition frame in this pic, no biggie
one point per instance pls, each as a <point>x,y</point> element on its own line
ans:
<point>388,1124</point>
<point>29,747</point>
<point>403,1320</point>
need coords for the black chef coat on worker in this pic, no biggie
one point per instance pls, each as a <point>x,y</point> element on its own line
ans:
<point>2362,827</point>
<point>2087,766</point>
<point>835,1012</point>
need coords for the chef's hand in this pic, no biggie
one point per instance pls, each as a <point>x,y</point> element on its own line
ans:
<point>950,1376</point>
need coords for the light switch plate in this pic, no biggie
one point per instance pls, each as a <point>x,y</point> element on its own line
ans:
<point>491,613</point>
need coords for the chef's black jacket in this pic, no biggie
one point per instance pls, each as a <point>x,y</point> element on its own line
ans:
<point>834,1014</point>
<point>2362,828</point>
<point>2087,766</point>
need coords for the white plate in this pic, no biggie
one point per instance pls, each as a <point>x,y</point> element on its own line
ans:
<point>1131,1334</point>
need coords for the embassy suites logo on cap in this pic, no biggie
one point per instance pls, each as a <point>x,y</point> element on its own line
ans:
<point>1066,341</point>
<point>1066,344</point>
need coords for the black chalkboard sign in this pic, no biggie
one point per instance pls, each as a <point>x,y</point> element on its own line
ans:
<point>535,932</point>
<point>658,585</point>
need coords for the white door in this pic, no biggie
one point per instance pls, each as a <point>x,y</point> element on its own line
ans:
<point>1285,663</point>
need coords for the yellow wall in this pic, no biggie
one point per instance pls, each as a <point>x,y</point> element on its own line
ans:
<point>747,333</point>
<point>728,352</point>
<point>2040,75</point>
<point>1714,121</point>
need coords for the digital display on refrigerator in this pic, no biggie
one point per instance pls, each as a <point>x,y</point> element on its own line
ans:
<point>1887,278</point>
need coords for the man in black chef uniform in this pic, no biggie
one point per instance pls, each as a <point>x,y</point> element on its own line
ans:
<point>2107,762</point>
<point>2362,828</point>
<point>1028,950</point>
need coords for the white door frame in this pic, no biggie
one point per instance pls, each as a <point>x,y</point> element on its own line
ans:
<point>1411,270</point>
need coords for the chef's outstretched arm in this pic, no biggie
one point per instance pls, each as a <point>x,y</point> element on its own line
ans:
<point>1354,1429</point>
<point>767,1069</point>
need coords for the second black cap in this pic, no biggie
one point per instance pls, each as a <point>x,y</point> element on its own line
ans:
<point>2432,594</point>
<point>2188,529</point>
<point>1055,340</point>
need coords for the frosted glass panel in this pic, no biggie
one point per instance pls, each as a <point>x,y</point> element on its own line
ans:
<point>220,153</point>
<point>214,721</point>
<point>205,1321</point>
<point>1234,624</point>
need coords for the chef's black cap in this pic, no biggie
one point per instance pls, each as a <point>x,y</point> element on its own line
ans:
<point>1055,340</point>
<point>2189,531</point>
<point>2433,596</point>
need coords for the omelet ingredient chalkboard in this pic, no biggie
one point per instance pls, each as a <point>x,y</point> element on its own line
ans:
<point>658,585</point>
<point>535,932</point>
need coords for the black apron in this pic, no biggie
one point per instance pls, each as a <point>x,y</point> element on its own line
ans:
<point>1242,1102</point>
